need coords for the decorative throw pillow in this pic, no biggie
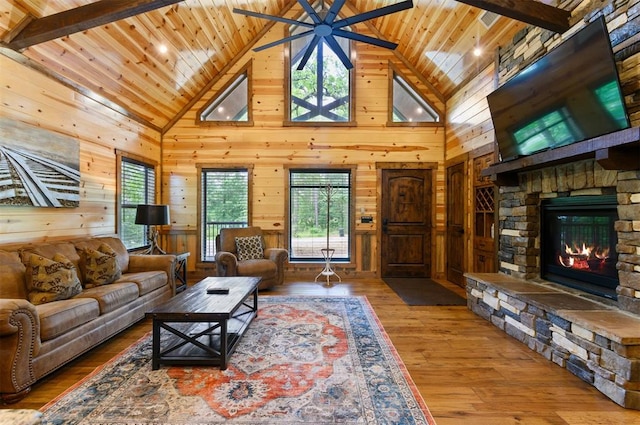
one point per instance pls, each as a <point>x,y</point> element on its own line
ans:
<point>100,266</point>
<point>51,280</point>
<point>249,247</point>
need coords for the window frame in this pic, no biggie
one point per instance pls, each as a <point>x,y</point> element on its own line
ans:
<point>201,168</point>
<point>352,168</point>
<point>393,71</point>
<point>216,98</point>
<point>123,157</point>
<point>288,122</point>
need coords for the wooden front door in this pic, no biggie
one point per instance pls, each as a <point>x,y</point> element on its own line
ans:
<point>455,224</point>
<point>406,223</point>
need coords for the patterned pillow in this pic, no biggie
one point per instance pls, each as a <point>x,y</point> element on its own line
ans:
<point>100,266</point>
<point>51,280</point>
<point>249,247</point>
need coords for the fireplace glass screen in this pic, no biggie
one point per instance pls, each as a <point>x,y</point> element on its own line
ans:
<point>579,243</point>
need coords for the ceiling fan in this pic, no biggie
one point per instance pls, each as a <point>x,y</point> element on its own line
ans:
<point>324,26</point>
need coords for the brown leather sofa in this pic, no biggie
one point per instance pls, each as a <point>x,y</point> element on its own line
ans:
<point>36,339</point>
<point>229,262</point>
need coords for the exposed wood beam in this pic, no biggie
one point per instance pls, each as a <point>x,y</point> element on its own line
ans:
<point>527,11</point>
<point>81,18</point>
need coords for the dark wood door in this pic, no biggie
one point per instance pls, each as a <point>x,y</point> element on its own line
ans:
<point>406,223</point>
<point>455,224</point>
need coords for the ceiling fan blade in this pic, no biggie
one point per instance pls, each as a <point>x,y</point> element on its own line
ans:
<point>335,46</point>
<point>309,50</point>
<point>365,39</point>
<point>310,11</point>
<point>284,40</point>
<point>387,10</point>
<point>272,18</point>
<point>333,11</point>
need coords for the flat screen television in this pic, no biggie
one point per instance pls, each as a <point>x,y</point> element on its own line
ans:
<point>569,95</point>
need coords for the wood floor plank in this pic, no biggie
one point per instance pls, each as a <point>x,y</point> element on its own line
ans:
<point>467,370</point>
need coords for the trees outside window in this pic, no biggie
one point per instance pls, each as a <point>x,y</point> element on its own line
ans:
<point>322,90</point>
<point>137,181</point>
<point>224,194</point>
<point>309,190</point>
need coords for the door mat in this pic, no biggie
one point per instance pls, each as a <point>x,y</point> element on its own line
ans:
<point>423,291</point>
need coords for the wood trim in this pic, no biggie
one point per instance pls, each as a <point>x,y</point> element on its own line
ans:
<point>407,165</point>
<point>390,123</point>
<point>248,68</point>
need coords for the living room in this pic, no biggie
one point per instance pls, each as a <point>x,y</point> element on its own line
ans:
<point>45,88</point>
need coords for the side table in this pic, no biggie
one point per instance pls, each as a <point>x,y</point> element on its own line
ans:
<point>181,270</point>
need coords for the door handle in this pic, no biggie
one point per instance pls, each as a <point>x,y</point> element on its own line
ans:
<point>384,225</point>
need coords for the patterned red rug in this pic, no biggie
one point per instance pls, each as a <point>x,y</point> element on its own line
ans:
<point>303,360</point>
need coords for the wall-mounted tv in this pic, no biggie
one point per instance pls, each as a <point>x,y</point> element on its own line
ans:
<point>569,95</point>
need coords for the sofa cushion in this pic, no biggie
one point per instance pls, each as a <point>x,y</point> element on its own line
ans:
<point>146,281</point>
<point>122,255</point>
<point>12,284</point>
<point>100,266</point>
<point>264,268</point>
<point>51,279</point>
<point>49,250</point>
<point>58,317</point>
<point>111,297</point>
<point>249,247</point>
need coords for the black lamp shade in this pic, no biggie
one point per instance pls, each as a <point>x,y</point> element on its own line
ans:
<point>152,214</point>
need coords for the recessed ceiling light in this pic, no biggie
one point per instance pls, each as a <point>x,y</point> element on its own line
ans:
<point>477,51</point>
<point>163,48</point>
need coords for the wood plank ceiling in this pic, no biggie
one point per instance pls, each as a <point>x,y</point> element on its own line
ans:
<point>118,60</point>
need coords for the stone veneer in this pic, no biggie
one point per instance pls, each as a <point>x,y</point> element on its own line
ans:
<point>593,340</point>
<point>519,222</point>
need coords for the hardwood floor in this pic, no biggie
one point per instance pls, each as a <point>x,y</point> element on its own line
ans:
<point>465,368</point>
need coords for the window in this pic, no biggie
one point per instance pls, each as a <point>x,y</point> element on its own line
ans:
<point>225,194</point>
<point>320,213</point>
<point>321,91</point>
<point>137,181</point>
<point>232,104</point>
<point>554,129</point>
<point>407,105</point>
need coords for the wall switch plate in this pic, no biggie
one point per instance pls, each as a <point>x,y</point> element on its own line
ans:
<point>366,219</point>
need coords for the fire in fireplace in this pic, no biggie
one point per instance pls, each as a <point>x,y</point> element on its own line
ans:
<point>579,243</point>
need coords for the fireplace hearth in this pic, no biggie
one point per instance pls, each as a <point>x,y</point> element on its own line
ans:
<point>578,243</point>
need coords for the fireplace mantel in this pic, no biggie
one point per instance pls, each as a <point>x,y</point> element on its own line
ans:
<point>615,151</point>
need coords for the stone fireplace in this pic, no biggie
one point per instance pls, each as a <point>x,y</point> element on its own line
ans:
<point>568,284</point>
<point>579,184</point>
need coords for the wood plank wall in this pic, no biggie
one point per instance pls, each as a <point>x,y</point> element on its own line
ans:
<point>34,99</point>
<point>270,147</point>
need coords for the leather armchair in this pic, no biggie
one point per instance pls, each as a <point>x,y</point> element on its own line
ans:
<point>270,268</point>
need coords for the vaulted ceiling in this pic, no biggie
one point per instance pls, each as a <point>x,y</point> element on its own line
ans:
<point>110,49</point>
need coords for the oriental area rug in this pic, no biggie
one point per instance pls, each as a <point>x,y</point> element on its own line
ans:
<point>303,360</point>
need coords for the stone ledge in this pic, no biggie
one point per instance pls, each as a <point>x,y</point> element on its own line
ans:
<point>591,338</point>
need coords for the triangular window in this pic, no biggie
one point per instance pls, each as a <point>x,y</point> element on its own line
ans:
<point>231,105</point>
<point>408,106</point>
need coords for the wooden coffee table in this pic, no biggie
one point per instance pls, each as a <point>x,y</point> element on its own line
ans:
<point>205,328</point>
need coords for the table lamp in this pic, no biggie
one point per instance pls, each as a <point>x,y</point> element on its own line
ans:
<point>152,216</point>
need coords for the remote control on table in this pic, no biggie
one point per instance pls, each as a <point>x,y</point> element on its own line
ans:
<point>217,290</point>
